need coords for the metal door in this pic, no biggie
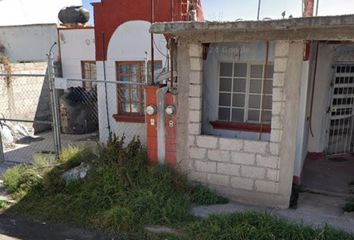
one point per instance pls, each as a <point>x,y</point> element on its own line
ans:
<point>340,134</point>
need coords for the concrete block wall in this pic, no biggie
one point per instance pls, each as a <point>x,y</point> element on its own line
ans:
<point>26,98</point>
<point>245,170</point>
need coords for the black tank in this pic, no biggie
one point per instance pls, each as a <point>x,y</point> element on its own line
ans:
<point>74,15</point>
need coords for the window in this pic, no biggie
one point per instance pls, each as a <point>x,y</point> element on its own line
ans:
<point>244,96</point>
<point>131,94</point>
<point>88,69</point>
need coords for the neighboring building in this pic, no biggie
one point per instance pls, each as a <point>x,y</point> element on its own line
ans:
<point>77,54</point>
<point>254,98</point>
<point>27,43</point>
<point>123,44</point>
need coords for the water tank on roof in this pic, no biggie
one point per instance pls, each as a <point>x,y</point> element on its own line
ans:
<point>74,15</point>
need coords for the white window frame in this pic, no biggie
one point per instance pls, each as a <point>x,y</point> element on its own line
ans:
<point>247,93</point>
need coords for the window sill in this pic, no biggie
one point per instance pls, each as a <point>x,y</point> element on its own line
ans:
<point>247,127</point>
<point>129,118</point>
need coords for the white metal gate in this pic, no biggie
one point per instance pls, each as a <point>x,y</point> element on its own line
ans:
<point>341,115</point>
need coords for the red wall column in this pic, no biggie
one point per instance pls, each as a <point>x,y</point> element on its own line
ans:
<point>151,125</point>
<point>170,130</point>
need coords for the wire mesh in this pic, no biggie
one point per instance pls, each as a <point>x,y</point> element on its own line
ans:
<point>25,114</point>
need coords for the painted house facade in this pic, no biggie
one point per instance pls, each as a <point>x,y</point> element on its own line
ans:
<point>123,54</point>
<point>255,98</point>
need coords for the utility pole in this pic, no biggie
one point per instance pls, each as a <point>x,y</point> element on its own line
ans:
<point>259,9</point>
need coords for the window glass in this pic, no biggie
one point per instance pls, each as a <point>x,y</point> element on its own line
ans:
<point>131,97</point>
<point>239,85</point>
<point>237,115</point>
<point>226,69</point>
<point>238,100</point>
<point>253,115</point>
<point>225,99</point>
<point>256,71</point>
<point>255,86</point>
<point>254,101</point>
<point>240,70</point>
<point>224,114</point>
<point>246,94</point>
<point>225,84</point>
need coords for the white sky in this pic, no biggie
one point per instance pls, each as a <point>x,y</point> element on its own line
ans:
<point>19,12</point>
<point>230,10</point>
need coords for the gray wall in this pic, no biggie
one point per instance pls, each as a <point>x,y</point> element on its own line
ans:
<point>26,98</point>
<point>28,43</point>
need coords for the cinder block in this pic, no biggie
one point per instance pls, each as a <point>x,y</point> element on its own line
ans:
<point>195,50</point>
<point>228,169</point>
<point>195,90</point>
<point>191,140</point>
<point>280,64</point>
<point>267,161</point>
<point>198,176</point>
<point>243,158</point>
<point>219,155</point>
<point>197,153</point>
<point>277,122</point>
<point>253,172</point>
<point>195,103</point>
<point>277,107</point>
<point>278,79</point>
<point>278,94</point>
<point>266,186</point>
<point>205,166</point>
<point>242,183</point>
<point>255,146</point>
<point>231,144</point>
<point>272,175</point>
<point>207,141</point>
<point>274,149</point>
<point>194,128</point>
<point>195,116</point>
<point>275,135</point>
<point>196,64</point>
<point>196,77</point>
<point>281,48</point>
<point>217,179</point>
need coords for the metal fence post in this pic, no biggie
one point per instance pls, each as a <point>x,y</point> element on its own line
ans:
<point>2,153</point>
<point>54,104</point>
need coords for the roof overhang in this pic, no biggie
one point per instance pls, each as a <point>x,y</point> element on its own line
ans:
<point>311,28</point>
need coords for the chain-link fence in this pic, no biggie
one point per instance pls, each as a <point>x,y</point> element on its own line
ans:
<point>103,107</point>
<point>26,111</point>
<point>38,117</point>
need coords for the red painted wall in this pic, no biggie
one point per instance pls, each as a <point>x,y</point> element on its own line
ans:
<point>110,14</point>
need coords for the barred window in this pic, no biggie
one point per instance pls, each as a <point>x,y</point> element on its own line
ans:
<point>245,96</point>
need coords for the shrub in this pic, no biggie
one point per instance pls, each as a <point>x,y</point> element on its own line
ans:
<point>21,178</point>
<point>120,192</point>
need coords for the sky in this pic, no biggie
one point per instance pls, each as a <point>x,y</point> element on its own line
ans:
<point>231,10</point>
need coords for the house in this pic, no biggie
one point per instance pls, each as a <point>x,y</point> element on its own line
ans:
<point>124,58</point>
<point>77,54</point>
<point>254,98</point>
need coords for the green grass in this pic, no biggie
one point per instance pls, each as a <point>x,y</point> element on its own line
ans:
<point>121,195</point>
<point>256,226</point>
